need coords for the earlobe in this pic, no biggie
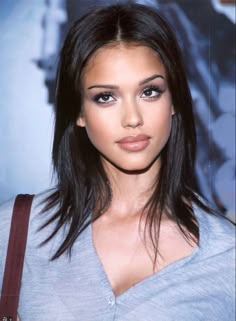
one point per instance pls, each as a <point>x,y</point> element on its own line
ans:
<point>80,121</point>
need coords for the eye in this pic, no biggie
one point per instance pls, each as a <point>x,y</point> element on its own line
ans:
<point>103,98</point>
<point>151,92</point>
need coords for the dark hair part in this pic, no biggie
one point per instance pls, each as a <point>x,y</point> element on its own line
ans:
<point>82,180</point>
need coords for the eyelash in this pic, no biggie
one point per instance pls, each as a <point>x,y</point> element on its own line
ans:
<point>102,95</point>
<point>110,94</point>
<point>157,89</point>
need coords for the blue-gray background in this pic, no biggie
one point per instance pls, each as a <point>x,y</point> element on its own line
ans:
<point>31,35</point>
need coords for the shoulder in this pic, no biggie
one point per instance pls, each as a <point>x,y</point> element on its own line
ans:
<point>216,240</point>
<point>214,260</point>
<point>6,211</point>
<point>35,222</point>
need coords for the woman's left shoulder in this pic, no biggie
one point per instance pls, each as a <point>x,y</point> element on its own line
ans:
<point>216,230</point>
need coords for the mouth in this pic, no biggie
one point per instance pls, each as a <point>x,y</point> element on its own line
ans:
<point>134,143</point>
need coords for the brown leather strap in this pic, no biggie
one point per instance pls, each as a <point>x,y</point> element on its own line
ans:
<point>15,258</point>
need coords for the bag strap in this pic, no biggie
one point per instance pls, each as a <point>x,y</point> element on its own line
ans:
<point>15,258</point>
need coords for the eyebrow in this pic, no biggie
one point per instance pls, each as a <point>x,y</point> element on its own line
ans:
<point>146,80</point>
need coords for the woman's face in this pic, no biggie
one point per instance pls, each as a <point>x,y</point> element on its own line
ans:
<point>127,108</point>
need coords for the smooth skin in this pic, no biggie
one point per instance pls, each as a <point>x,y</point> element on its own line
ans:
<point>125,93</point>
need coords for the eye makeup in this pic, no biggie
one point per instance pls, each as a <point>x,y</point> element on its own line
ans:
<point>103,98</point>
<point>152,92</point>
<point>107,94</point>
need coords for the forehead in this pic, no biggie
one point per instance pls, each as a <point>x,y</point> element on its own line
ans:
<point>122,58</point>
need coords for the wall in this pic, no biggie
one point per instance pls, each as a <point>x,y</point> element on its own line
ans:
<point>31,35</point>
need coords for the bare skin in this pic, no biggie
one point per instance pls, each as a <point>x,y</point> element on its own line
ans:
<point>126,257</point>
<point>121,101</point>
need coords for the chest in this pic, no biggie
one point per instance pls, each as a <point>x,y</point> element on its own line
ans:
<point>74,293</point>
<point>127,254</point>
<point>78,290</point>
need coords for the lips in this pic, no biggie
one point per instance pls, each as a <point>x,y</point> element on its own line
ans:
<point>133,139</point>
<point>134,143</point>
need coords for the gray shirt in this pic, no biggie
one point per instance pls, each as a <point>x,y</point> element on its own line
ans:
<point>200,287</point>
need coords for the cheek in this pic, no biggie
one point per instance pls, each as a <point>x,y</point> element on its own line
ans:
<point>161,119</point>
<point>93,130</point>
<point>167,123</point>
<point>98,129</point>
<point>161,127</point>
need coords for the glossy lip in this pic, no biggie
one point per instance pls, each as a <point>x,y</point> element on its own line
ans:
<point>134,143</point>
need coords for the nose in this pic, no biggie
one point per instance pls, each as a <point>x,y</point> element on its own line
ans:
<point>132,116</point>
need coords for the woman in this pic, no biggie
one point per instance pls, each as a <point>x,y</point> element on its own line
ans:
<point>124,236</point>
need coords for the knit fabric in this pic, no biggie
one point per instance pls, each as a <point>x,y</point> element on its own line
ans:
<point>200,287</point>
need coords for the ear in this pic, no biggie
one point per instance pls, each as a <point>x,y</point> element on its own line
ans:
<point>80,121</point>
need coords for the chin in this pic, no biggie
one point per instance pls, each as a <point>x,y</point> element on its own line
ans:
<point>135,167</point>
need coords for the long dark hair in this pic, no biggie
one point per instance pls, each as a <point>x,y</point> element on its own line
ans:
<point>82,181</point>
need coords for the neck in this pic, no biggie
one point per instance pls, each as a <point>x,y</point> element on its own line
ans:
<point>130,190</point>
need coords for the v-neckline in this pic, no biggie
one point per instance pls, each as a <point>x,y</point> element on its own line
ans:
<point>169,268</point>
